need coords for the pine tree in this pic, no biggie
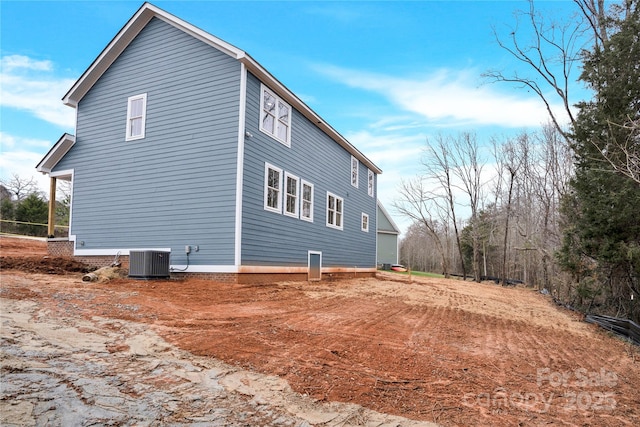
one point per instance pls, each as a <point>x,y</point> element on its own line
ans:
<point>32,210</point>
<point>602,213</point>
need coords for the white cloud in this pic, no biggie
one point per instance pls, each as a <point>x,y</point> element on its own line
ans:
<point>389,151</point>
<point>30,85</point>
<point>18,159</point>
<point>10,142</point>
<point>447,97</point>
<point>12,62</point>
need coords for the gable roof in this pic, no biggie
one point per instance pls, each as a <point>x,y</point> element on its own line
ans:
<point>394,227</point>
<point>142,17</point>
<point>56,153</point>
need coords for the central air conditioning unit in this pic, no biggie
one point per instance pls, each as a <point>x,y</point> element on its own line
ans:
<point>149,264</point>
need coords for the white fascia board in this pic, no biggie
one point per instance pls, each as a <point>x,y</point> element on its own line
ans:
<point>201,35</point>
<point>56,153</point>
<point>140,19</point>
<point>119,43</point>
<point>63,174</point>
<point>386,214</point>
<point>177,268</point>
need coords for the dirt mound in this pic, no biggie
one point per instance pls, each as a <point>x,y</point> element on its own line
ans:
<point>45,265</point>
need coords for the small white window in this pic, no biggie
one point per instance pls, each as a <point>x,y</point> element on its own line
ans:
<point>354,171</point>
<point>334,211</point>
<point>275,116</point>
<point>307,202</point>
<point>136,116</point>
<point>291,195</point>
<point>365,222</point>
<point>272,188</point>
<point>370,182</point>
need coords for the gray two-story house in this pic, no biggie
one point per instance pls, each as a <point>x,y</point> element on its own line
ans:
<point>184,144</point>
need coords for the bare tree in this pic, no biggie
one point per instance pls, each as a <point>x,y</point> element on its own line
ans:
<point>552,53</point>
<point>509,161</point>
<point>440,165</point>
<point>423,206</point>
<point>552,56</point>
<point>20,187</point>
<point>468,168</point>
<point>622,155</point>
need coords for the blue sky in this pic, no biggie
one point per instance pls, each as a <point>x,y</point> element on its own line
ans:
<point>387,75</point>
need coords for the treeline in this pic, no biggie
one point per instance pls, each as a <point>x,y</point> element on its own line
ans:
<point>24,209</point>
<point>507,207</point>
<point>558,209</point>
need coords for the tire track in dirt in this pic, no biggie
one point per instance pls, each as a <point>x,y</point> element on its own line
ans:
<point>454,352</point>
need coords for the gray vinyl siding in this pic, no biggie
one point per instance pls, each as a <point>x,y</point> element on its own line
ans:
<point>384,224</point>
<point>387,240</point>
<point>176,186</point>
<point>387,248</point>
<point>269,238</point>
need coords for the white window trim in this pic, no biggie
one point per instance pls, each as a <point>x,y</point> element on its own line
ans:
<point>302,217</point>
<point>362,227</point>
<point>371,183</point>
<point>278,209</point>
<point>142,96</point>
<point>341,226</point>
<point>287,141</point>
<point>355,177</point>
<point>285,195</point>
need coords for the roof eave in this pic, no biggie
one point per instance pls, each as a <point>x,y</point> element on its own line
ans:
<point>391,221</point>
<point>142,17</point>
<point>260,72</point>
<point>56,153</point>
<point>119,43</point>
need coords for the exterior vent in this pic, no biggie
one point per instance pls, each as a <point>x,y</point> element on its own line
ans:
<point>149,264</point>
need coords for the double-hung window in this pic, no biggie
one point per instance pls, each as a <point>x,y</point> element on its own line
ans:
<point>365,222</point>
<point>272,188</point>
<point>275,116</point>
<point>335,206</point>
<point>136,116</point>
<point>370,182</point>
<point>307,201</point>
<point>291,195</point>
<point>354,171</point>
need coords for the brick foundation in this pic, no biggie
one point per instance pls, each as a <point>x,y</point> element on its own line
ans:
<point>60,247</point>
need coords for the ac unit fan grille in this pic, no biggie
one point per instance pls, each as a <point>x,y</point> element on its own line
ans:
<point>149,264</point>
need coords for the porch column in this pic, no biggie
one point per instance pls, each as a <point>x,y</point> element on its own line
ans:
<point>52,207</point>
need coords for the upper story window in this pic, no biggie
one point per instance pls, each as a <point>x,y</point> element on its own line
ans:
<point>370,183</point>
<point>136,116</point>
<point>365,222</point>
<point>291,195</point>
<point>334,211</point>
<point>354,171</point>
<point>272,188</point>
<point>275,116</point>
<point>307,202</point>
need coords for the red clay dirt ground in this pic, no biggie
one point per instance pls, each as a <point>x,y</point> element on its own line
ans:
<point>446,351</point>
